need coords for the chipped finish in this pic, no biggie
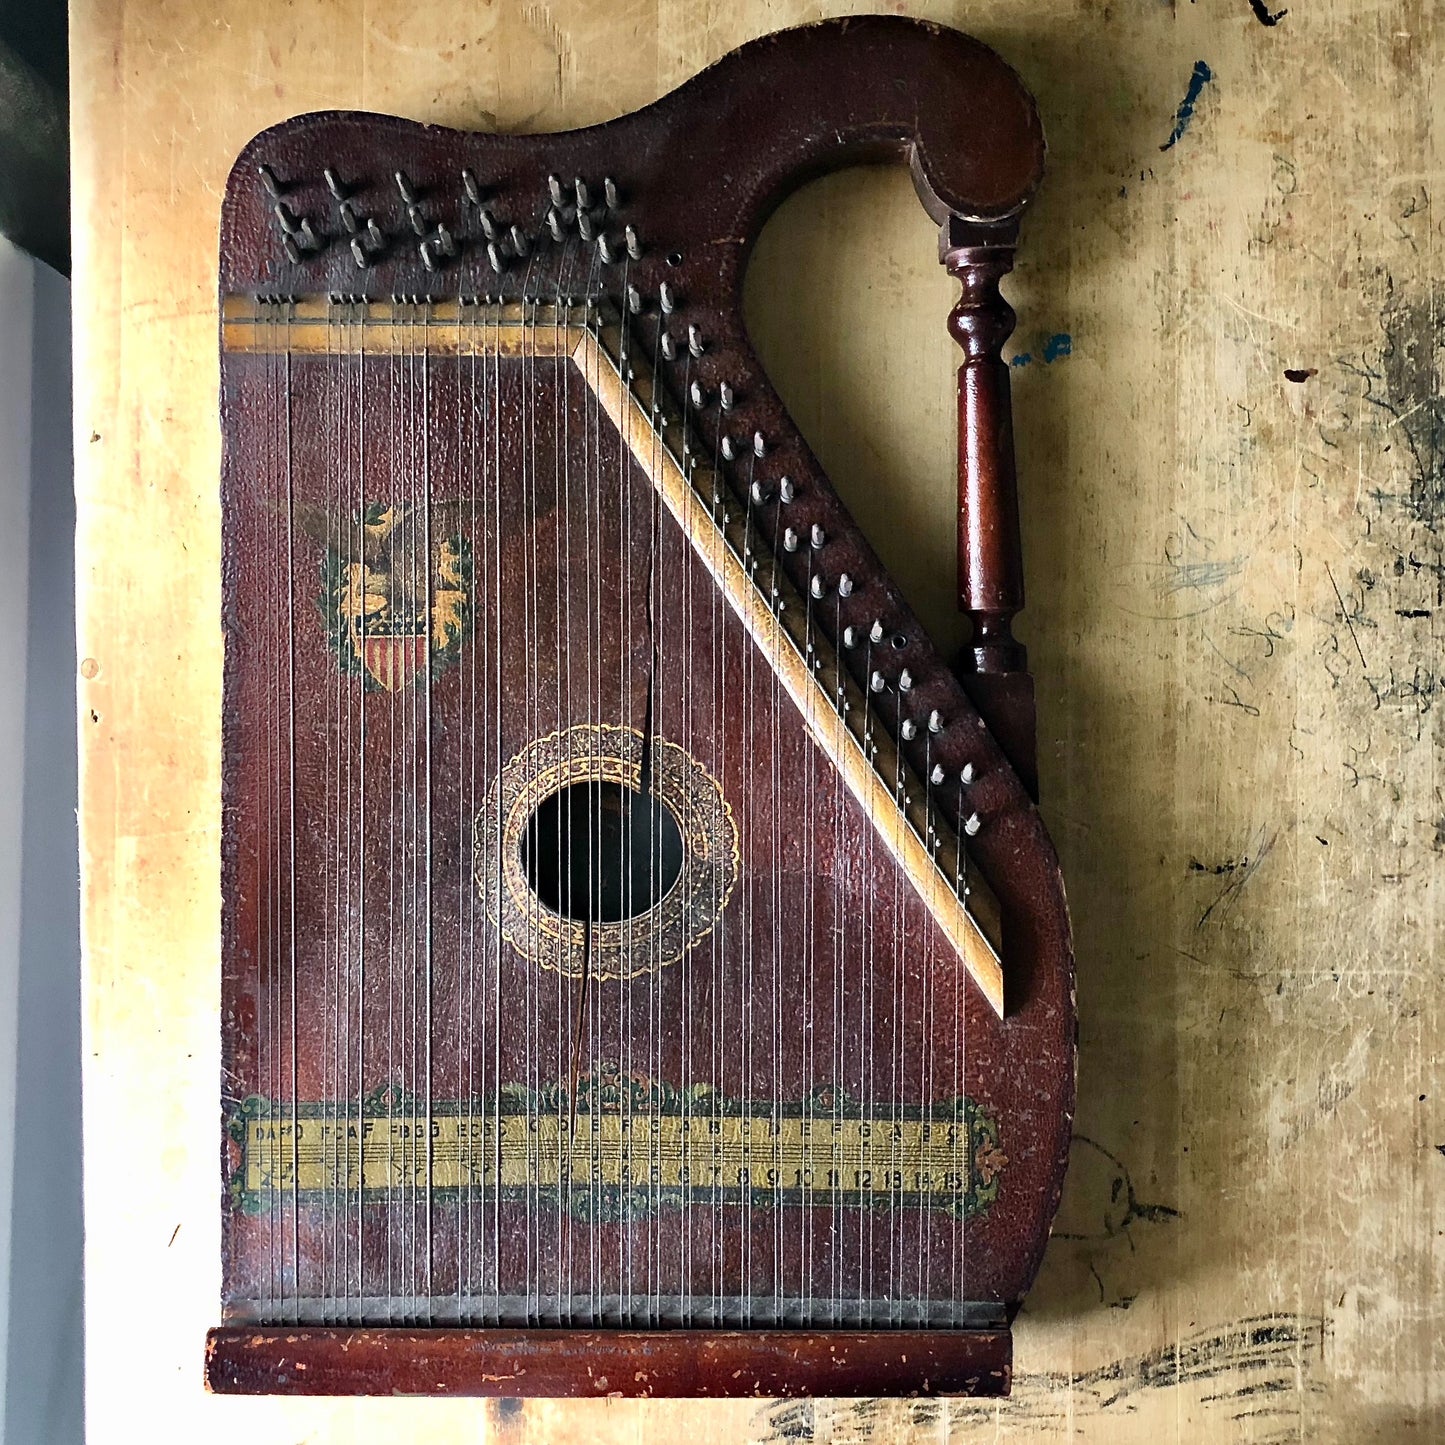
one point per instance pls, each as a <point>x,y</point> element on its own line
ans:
<point>1273,1076</point>
<point>616,1364</point>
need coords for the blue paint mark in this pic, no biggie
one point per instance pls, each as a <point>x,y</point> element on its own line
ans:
<point>1201,77</point>
<point>1060,344</point>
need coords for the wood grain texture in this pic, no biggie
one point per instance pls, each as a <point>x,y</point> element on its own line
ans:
<point>1232,458</point>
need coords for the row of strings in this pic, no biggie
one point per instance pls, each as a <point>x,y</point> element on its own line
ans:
<point>473,1252</point>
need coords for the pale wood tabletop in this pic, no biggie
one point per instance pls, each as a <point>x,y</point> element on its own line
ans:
<point>1227,379</point>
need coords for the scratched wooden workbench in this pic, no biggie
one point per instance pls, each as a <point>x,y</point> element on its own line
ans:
<point>1232,444</point>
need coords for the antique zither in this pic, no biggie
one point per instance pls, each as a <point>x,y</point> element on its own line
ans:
<point>645,970</point>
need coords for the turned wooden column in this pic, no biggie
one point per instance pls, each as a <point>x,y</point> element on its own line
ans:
<point>990,560</point>
<point>990,554</point>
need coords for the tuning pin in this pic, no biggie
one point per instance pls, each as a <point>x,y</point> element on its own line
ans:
<point>967,775</point>
<point>428,255</point>
<point>446,242</point>
<point>666,299</point>
<point>556,191</point>
<point>905,681</point>
<point>726,447</point>
<point>725,397</point>
<point>634,300</point>
<point>816,588</point>
<point>358,252</point>
<point>876,682</point>
<point>759,493</point>
<point>845,585</point>
<point>269,183</point>
<point>292,250</point>
<point>935,721</point>
<point>875,633</point>
<point>554,225</point>
<point>285,216</point>
<point>760,446</point>
<point>520,244</point>
<point>349,218</point>
<point>695,344</point>
<point>786,489</point>
<point>374,235</point>
<point>909,730</point>
<point>585,229</point>
<point>604,249</point>
<point>487,222</point>
<point>610,194</point>
<point>333,183</point>
<point>972,824</point>
<point>634,246</point>
<point>669,347</point>
<point>790,540</point>
<point>696,395</point>
<point>404,188</point>
<point>470,187</point>
<point>418,221</point>
<point>850,637</point>
<point>817,537</point>
<point>495,257</point>
<point>937,775</point>
<point>584,196</point>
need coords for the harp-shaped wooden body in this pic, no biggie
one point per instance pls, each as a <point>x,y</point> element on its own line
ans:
<point>645,968</point>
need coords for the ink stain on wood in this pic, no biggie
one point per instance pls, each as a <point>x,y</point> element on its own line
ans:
<point>1264,14</point>
<point>1200,77</point>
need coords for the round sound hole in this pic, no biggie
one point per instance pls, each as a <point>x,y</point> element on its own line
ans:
<point>600,852</point>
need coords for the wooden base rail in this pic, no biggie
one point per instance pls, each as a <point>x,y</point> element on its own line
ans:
<point>597,1363</point>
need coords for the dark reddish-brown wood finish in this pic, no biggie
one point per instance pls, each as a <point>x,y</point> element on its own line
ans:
<point>698,174</point>
<point>638,1364</point>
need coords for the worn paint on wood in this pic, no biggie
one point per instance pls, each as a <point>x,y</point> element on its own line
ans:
<point>1232,457</point>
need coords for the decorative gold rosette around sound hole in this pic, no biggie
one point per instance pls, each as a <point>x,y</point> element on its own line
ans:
<point>678,921</point>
